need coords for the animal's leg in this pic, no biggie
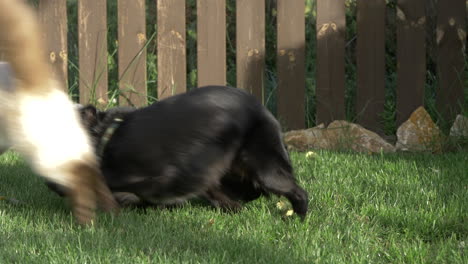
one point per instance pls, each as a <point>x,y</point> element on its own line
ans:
<point>219,200</point>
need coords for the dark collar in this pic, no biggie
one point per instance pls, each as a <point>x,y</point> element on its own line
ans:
<point>116,122</point>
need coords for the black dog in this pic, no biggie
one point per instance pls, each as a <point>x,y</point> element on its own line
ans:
<point>214,142</point>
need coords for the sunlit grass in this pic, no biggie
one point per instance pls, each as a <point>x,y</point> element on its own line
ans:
<point>363,209</point>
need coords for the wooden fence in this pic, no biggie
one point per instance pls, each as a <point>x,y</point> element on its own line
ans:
<point>250,51</point>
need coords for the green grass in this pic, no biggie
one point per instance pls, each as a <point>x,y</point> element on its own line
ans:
<point>363,209</point>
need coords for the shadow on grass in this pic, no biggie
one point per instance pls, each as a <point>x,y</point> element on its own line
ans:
<point>177,242</point>
<point>42,229</point>
<point>24,190</point>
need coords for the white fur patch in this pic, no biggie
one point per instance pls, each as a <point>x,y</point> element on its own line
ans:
<point>50,134</point>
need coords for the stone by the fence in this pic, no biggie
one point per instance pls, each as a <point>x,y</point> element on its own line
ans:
<point>460,127</point>
<point>346,135</point>
<point>339,134</point>
<point>302,140</point>
<point>419,133</point>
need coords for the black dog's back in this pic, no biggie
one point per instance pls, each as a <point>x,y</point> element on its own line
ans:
<point>185,133</point>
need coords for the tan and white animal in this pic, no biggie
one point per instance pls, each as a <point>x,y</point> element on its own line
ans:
<point>38,119</point>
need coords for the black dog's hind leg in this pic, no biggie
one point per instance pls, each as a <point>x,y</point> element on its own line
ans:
<point>220,200</point>
<point>239,185</point>
<point>126,199</point>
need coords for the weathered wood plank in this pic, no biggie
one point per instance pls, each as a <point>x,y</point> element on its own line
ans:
<point>451,59</point>
<point>291,63</point>
<point>211,42</point>
<point>331,25</point>
<point>172,77</point>
<point>92,45</point>
<point>132,52</point>
<point>370,57</point>
<point>250,47</point>
<point>53,17</point>
<point>411,57</point>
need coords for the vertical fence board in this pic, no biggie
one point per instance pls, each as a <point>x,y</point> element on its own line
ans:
<point>370,56</point>
<point>172,66</point>
<point>291,63</point>
<point>92,45</point>
<point>211,42</point>
<point>330,60</point>
<point>411,57</point>
<point>132,54</point>
<point>53,17</point>
<point>451,44</point>
<point>250,46</point>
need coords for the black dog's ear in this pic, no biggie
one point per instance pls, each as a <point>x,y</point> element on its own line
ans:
<point>89,116</point>
<point>101,115</point>
<point>89,113</point>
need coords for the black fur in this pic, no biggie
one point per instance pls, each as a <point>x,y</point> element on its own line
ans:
<point>214,142</point>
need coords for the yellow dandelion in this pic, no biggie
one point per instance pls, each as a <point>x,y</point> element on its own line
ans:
<point>280,205</point>
<point>310,154</point>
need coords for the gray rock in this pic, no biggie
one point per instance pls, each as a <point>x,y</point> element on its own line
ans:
<point>459,127</point>
<point>346,135</point>
<point>419,133</point>
<point>338,135</point>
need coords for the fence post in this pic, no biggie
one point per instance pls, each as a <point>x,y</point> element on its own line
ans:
<point>211,42</point>
<point>331,25</point>
<point>250,46</point>
<point>370,57</point>
<point>451,57</point>
<point>92,44</point>
<point>172,76</point>
<point>53,17</point>
<point>132,54</point>
<point>411,57</point>
<point>291,63</point>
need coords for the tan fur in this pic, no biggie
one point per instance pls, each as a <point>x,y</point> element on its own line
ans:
<point>21,45</point>
<point>83,198</point>
<point>38,119</point>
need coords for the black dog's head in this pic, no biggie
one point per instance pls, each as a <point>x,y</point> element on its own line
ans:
<point>96,121</point>
<point>90,118</point>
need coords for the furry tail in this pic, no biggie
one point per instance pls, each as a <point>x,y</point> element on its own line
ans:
<point>21,45</point>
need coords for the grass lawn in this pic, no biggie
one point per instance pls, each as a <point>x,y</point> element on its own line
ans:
<point>363,209</point>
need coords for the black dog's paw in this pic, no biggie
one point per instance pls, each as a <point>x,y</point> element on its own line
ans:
<point>230,206</point>
<point>126,199</point>
<point>219,199</point>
